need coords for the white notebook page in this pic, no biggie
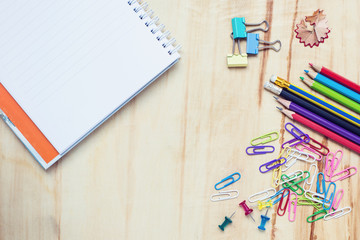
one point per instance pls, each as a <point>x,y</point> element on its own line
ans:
<point>70,63</point>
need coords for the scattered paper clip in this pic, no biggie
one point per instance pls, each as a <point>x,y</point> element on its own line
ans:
<point>329,201</point>
<point>347,173</point>
<point>255,150</point>
<point>337,200</point>
<point>317,146</point>
<point>304,201</point>
<point>294,203</point>
<point>272,164</point>
<point>266,138</point>
<point>288,184</point>
<point>296,132</point>
<point>292,176</point>
<point>226,179</point>
<point>322,212</point>
<point>276,177</point>
<point>224,195</point>
<point>310,183</point>
<point>303,148</point>
<point>315,197</point>
<point>278,193</point>
<point>268,193</point>
<point>282,207</point>
<point>320,188</point>
<point>338,213</point>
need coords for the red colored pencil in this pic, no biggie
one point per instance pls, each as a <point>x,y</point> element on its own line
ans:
<point>336,77</point>
<point>316,127</point>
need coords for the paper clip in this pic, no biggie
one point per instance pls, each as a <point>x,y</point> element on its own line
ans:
<point>239,27</point>
<point>272,164</point>
<point>296,132</point>
<point>292,202</point>
<point>317,146</point>
<point>292,142</point>
<point>288,184</point>
<point>266,138</point>
<point>281,207</point>
<point>310,183</point>
<point>226,179</point>
<point>331,164</point>
<point>257,150</point>
<point>224,195</point>
<point>262,205</point>
<point>296,190</point>
<point>315,197</point>
<point>277,194</point>
<point>236,60</point>
<point>320,189</point>
<point>303,148</point>
<point>303,201</point>
<point>253,42</point>
<point>347,174</point>
<point>303,156</point>
<point>338,213</point>
<point>261,198</point>
<point>331,198</point>
<point>322,211</point>
<point>337,200</point>
<point>292,176</point>
<point>276,177</point>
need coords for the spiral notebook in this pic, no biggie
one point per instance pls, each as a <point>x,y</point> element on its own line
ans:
<point>67,66</point>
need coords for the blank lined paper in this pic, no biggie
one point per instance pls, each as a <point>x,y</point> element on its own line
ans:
<point>70,64</point>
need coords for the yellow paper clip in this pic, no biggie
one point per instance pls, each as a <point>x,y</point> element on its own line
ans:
<point>236,60</point>
<point>262,205</point>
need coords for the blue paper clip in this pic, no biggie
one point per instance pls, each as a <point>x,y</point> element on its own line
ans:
<point>253,42</point>
<point>226,179</point>
<point>318,187</point>
<point>277,194</point>
<point>271,165</point>
<point>331,199</point>
<point>257,150</point>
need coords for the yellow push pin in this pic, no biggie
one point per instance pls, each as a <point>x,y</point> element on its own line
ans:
<point>262,205</point>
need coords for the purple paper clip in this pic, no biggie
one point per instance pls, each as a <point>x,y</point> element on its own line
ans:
<point>257,150</point>
<point>272,164</point>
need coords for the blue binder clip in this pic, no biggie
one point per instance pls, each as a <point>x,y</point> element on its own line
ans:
<point>239,27</point>
<point>226,179</point>
<point>253,42</point>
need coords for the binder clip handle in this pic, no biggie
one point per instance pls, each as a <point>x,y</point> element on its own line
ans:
<point>270,45</point>
<point>258,29</point>
<point>237,42</point>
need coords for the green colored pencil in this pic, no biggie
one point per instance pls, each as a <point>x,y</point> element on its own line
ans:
<point>347,102</point>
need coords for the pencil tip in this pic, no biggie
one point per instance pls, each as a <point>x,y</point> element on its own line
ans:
<point>279,108</point>
<point>276,98</point>
<point>302,78</point>
<point>306,71</point>
<point>310,64</point>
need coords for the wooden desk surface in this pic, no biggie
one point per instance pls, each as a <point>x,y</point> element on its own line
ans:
<point>149,171</point>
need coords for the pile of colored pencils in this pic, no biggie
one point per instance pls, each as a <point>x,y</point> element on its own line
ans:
<point>318,114</point>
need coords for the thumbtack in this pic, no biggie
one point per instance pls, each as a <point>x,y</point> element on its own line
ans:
<point>247,210</point>
<point>264,219</point>
<point>262,205</point>
<point>226,222</point>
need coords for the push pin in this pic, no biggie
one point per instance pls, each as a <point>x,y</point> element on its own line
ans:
<point>262,205</point>
<point>226,222</point>
<point>253,42</point>
<point>264,219</point>
<point>247,210</point>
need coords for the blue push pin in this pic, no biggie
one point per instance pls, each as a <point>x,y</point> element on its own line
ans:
<point>226,222</point>
<point>264,219</point>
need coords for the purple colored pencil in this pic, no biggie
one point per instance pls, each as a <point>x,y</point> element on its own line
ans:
<point>319,120</point>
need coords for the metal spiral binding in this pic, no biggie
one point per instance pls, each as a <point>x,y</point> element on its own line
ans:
<point>157,27</point>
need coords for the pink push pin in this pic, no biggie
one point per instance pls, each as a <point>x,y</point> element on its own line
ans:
<point>247,210</point>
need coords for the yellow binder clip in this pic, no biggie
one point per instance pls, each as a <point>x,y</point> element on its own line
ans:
<point>236,60</point>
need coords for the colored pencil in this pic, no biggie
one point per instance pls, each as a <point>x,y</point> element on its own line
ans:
<point>316,127</point>
<point>321,121</point>
<point>334,85</point>
<point>332,94</point>
<point>283,92</point>
<point>318,101</point>
<point>336,77</point>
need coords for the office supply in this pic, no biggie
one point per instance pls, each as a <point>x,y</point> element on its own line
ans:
<point>303,201</point>
<point>341,89</point>
<point>266,138</point>
<point>310,183</point>
<point>318,101</point>
<point>255,150</point>
<point>279,195</point>
<point>282,207</point>
<point>226,222</point>
<point>320,188</point>
<point>338,213</point>
<point>67,66</point>
<point>329,200</point>
<point>262,205</point>
<point>268,194</point>
<point>295,131</point>
<point>304,148</point>
<point>322,214</point>
<point>247,210</point>
<point>317,146</point>
<point>277,171</point>
<point>236,60</point>
<point>288,184</point>
<point>302,156</point>
<point>292,209</point>
<point>264,219</point>
<point>319,120</point>
<point>347,173</point>
<point>239,27</point>
<point>225,181</point>
<point>224,195</point>
<point>273,164</point>
<point>314,196</point>
<point>347,102</point>
<point>336,77</point>
<point>292,176</point>
<point>316,127</point>
<point>253,42</point>
<point>286,94</point>
<point>337,200</point>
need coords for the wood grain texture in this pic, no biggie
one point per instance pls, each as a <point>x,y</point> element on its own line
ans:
<point>149,171</point>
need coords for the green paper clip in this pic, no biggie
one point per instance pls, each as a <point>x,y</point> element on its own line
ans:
<point>287,185</point>
<point>323,211</point>
<point>304,201</point>
<point>269,137</point>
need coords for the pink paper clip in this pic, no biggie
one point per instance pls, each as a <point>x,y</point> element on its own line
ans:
<point>292,202</point>
<point>317,146</point>
<point>303,148</point>
<point>347,173</point>
<point>329,159</point>
<point>336,201</point>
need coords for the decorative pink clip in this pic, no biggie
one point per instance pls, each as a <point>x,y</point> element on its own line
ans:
<point>332,162</point>
<point>347,173</point>
<point>303,148</point>
<point>292,202</point>
<point>336,201</point>
<point>317,146</point>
